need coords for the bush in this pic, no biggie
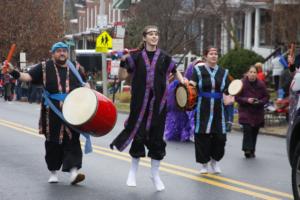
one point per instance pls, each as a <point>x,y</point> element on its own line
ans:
<point>238,61</point>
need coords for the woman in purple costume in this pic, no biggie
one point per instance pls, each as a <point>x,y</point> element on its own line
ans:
<point>179,124</point>
<point>176,119</point>
<point>190,126</point>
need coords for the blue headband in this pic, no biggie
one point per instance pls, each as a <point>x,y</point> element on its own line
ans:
<point>59,45</point>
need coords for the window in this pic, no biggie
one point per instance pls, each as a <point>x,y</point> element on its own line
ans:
<point>265,31</point>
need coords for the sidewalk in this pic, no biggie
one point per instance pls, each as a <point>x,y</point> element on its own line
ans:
<point>279,131</point>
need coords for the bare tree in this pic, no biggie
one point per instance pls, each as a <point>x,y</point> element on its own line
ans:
<point>33,25</point>
<point>183,22</point>
<point>174,18</point>
<point>286,23</point>
<point>229,15</point>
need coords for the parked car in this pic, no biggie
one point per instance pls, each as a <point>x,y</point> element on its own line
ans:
<point>293,134</point>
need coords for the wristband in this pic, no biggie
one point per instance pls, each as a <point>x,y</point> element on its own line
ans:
<point>15,74</point>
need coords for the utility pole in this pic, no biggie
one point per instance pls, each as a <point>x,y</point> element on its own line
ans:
<point>103,55</point>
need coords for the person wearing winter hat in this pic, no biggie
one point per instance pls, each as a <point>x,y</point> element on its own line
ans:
<point>62,145</point>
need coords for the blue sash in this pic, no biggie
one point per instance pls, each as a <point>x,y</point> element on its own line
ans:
<point>61,97</point>
<point>211,95</point>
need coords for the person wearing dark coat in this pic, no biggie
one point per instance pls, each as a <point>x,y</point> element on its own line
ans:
<point>150,68</point>
<point>251,102</point>
<point>62,144</point>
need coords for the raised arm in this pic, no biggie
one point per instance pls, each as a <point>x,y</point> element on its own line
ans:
<point>18,75</point>
<point>24,77</point>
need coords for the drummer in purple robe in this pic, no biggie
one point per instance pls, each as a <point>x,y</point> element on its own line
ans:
<point>179,123</point>
<point>150,68</point>
<point>62,143</point>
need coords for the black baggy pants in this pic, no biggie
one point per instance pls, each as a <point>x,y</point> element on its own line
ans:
<point>152,139</point>
<point>209,146</point>
<point>68,154</point>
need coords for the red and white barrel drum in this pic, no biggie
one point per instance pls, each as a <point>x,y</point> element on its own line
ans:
<point>89,111</point>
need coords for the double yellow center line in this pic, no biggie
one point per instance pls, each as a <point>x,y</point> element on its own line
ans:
<point>192,174</point>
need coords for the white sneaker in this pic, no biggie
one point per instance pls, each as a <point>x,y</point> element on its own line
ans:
<point>204,168</point>
<point>53,177</point>
<point>215,167</point>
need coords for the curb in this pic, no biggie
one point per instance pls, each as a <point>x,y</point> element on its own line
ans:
<point>237,128</point>
<point>261,131</point>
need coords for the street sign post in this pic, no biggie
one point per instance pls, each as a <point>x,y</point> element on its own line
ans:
<point>103,43</point>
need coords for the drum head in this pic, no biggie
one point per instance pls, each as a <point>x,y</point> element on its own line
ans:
<point>235,87</point>
<point>181,96</point>
<point>80,106</point>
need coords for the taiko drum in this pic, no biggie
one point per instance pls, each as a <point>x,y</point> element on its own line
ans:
<point>90,111</point>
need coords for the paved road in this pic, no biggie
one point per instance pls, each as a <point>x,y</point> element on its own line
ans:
<point>24,174</point>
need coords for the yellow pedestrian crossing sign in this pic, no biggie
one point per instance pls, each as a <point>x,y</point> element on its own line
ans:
<point>103,42</point>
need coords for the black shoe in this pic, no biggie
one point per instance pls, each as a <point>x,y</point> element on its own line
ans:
<point>248,154</point>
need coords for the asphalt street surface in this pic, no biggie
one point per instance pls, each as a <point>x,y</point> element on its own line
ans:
<point>24,173</point>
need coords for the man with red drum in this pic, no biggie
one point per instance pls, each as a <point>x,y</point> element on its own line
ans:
<point>62,144</point>
<point>210,127</point>
<point>150,68</point>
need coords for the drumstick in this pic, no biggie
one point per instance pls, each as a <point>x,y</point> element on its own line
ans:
<point>120,53</point>
<point>9,57</point>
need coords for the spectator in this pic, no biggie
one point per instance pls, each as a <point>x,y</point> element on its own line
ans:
<point>260,74</point>
<point>24,89</point>
<point>18,90</point>
<point>7,86</point>
<point>277,69</point>
<point>251,102</point>
<point>1,86</point>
